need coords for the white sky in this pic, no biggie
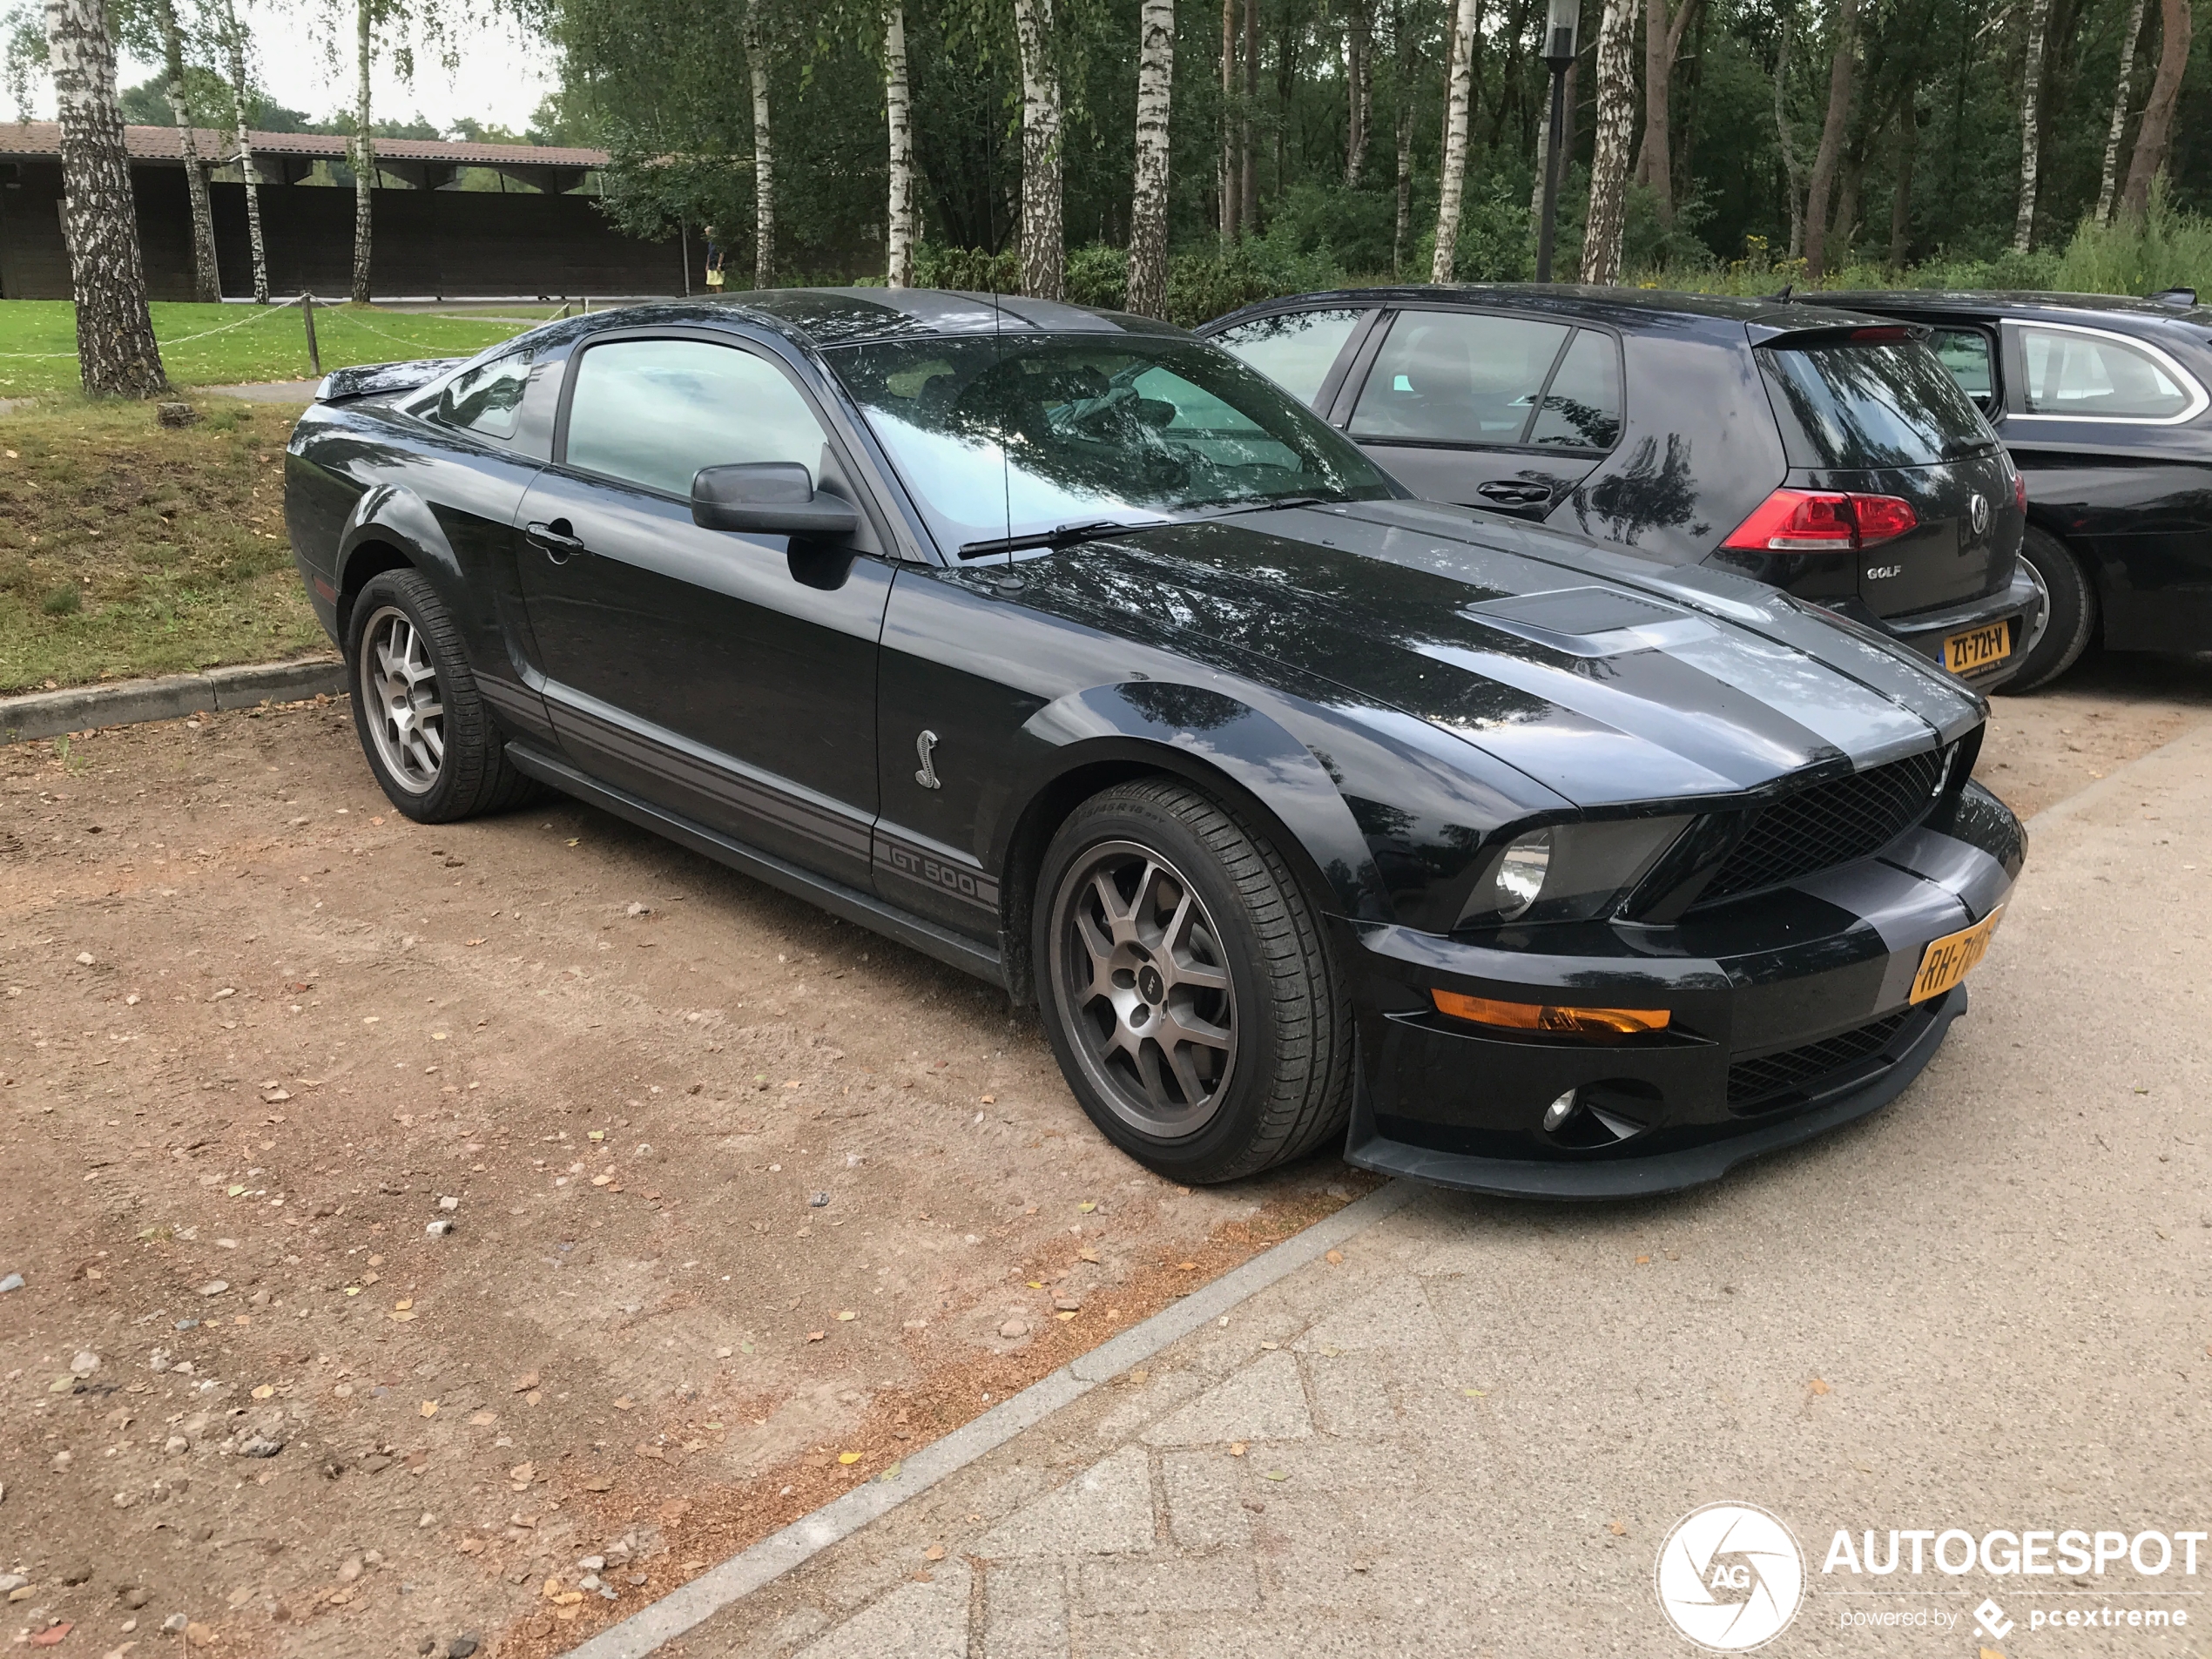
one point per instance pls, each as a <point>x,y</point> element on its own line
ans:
<point>500,79</point>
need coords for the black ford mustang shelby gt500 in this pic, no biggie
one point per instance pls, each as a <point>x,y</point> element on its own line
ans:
<point>1071,652</point>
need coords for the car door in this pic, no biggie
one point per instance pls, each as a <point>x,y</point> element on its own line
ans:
<point>1486,409</point>
<point>729,677</point>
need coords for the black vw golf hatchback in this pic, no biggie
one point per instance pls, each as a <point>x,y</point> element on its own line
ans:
<point>1823,452</point>
<point>1075,653</point>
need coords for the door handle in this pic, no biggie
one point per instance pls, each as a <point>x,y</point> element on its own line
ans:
<point>556,540</point>
<point>1514,495</point>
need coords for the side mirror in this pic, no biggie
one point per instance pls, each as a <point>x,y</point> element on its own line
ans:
<point>768,498</point>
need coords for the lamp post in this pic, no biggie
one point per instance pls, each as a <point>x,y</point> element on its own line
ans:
<point>1561,23</point>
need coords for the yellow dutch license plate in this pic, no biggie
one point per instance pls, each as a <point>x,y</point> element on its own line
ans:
<point>1978,648</point>
<point>1950,959</point>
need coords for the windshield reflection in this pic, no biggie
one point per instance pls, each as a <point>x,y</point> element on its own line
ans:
<point>1014,437</point>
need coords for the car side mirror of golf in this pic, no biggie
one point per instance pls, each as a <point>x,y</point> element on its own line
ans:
<point>768,498</point>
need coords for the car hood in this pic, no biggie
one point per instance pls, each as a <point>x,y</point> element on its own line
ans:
<point>1602,677</point>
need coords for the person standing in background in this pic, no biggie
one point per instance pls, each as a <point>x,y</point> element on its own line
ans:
<point>715,254</point>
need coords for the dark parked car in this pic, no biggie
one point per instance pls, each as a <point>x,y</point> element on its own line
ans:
<point>2103,403</point>
<point>1817,450</point>
<point>1069,650</point>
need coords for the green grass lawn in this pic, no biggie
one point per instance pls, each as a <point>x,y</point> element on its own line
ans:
<point>39,341</point>
<point>128,547</point>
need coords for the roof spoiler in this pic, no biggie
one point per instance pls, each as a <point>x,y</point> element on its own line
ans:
<point>343,385</point>
<point>2180,297</point>
<point>1832,333</point>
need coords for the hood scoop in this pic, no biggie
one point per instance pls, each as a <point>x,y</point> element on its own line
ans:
<point>1590,622</point>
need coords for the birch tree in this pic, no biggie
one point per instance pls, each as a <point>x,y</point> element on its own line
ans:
<point>764,151</point>
<point>1616,115</point>
<point>1044,258</point>
<point>898,104</point>
<point>2155,132</point>
<point>364,150</point>
<point>1232,176</point>
<point>207,284</point>
<point>1148,218</point>
<point>1662,33</point>
<point>116,353</point>
<point>2118,130</point>
<point>1452,187</point>
<point>1786,136</point>
<point>1358,75</point>
<point>1402,84</point>
<point>1841,67</point>
<point>231,39</point>
<point>2038,25</point>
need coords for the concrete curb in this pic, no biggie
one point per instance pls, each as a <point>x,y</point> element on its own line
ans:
<point>694,1603</point>
<point>48,714</point>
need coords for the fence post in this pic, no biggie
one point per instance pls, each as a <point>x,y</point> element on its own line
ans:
<point>307,315</point>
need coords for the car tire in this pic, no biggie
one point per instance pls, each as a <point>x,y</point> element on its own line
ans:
<point>428,734</point>
<point>1188,987</point>
<point>2069,615</point>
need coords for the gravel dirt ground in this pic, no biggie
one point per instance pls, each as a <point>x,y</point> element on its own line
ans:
<point>744,1203</point>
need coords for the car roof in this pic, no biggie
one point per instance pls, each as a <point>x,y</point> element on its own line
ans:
<point>829,317</point>
<point>2023,303</point>
<point>1630,309</point>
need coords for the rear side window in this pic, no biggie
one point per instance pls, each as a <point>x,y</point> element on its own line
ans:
<point>1580,409</point>
<point>1887,404</point>
<point>1296,352</point>
<point>2096,374</point>
<point>1458,377</point>
<point>488,399</point>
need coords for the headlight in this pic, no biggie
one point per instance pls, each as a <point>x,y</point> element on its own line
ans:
<point>1567,871</point>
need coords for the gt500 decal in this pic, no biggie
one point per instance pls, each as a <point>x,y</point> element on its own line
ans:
<point>917,866</point>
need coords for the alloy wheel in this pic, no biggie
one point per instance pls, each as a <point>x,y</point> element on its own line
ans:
<point>400,696</point>
<point>1145,987</point>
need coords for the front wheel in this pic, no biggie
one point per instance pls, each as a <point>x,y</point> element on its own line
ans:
<point>2069,611</point>
<point>1187,986</point>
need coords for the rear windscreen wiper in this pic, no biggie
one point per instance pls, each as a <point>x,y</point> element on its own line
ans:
<point>1061,535</point>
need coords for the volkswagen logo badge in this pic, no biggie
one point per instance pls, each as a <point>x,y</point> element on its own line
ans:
<point>1980,513</point>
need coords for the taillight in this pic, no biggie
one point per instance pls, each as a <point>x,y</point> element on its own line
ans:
<point>1807,521</point>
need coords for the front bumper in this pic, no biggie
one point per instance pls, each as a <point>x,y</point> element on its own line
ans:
<point>1791,1014</point>
<point>2020,607</point>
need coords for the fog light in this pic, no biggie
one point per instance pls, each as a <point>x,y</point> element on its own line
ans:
<point>1559,1111</point>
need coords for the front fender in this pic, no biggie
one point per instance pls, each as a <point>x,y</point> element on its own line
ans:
<point>1213,733</point>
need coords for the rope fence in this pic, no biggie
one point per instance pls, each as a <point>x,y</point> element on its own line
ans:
<point>262,313</point>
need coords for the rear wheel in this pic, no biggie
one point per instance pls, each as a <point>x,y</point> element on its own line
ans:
<point>2069,611</point>
<point>428,733</point>
<point>1187,986</point>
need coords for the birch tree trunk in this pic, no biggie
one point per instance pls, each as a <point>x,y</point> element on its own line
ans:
<point>1832,139</point>
<point>2038,25</point>
<point>1231,176</point>
<point>115,354</point>
<point>1147,219</point>
<point>1908,145</point>
<point>1452,189</point>
<point>764,153</point>
<point>898,104</point>
<point>1617,115</point>
<point>1785,137</point>
<point>1662,46</point>
<point>1248,190</point>
<point>1402,84</point>
<point>1044,259</point>
<point>1358,74</point>
<point>206,286</point>
<point>364,155</point>
<point>2156,130</point>
<point>234,50</point>
<point>2118,128</point>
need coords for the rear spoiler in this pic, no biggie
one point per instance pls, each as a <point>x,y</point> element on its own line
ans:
<point>1834,334</point>
<point>343,385</point>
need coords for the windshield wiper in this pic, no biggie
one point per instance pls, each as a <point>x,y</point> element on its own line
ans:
<point>1269,504</point>
<point>1061,535</point>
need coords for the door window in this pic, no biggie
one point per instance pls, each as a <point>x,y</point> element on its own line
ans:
<point>1458,377</point>
<point>1296,352</point>
<point>1581,407</point>
<point>653,412</point>
<point>2071,372</point>
<point>1966,354</point>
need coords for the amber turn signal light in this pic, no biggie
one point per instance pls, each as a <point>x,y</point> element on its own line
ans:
<point>1545,1016</point>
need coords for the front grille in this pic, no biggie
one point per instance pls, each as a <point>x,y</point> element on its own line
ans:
<point>1829,824</point>
<point>1752,1082</point>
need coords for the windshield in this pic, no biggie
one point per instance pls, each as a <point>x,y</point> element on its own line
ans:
<point>1019,434</point>
<point>1887,404</point>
